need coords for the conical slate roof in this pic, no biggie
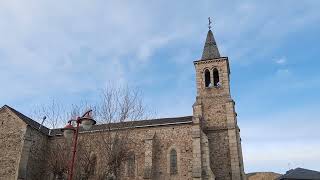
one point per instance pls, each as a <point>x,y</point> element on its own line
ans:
<point>210,50</point>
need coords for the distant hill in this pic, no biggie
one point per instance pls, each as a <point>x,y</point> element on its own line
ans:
<point>263,176</point>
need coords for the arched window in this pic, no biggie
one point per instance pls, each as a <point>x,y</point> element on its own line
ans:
<point>173,162</point>
<point>207,78</point>
<point>92,164</point>
<point>216,81</point>
<point>131,165</point>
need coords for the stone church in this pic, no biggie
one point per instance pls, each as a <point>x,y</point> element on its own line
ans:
<point>206,145</point>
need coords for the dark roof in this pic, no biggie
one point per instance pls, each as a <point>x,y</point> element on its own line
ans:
<point>34,124</point>
<point>112,126</point>
<point>135,124</point>
<point>210,50</point>
<point>300,173</point>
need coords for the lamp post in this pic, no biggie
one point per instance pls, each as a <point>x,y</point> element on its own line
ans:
<point>70,131</point>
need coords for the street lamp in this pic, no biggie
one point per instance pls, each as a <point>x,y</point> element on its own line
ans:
<point>70,131</point>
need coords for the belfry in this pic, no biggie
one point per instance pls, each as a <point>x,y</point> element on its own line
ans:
<point>214,109</point>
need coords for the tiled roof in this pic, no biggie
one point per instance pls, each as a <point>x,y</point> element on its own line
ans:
<point>301,174</point>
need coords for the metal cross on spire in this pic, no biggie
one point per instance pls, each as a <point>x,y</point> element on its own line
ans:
<point>209,24</point>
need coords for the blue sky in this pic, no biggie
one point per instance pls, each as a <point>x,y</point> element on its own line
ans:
<point>69,50</point>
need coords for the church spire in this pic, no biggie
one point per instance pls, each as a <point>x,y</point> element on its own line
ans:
<point>210,50</point>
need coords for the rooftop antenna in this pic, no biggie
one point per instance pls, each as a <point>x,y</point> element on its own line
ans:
<point>209,24</point>
<point>43,119</point>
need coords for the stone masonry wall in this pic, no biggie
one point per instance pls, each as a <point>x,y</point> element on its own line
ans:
<point>219,155</point>
<point>223,69</point>
<point>219,120</point>
<point>162,139</point>
<point>57,157</point>
<point>12,131</point>
<point>216,126</point>
<point>36,154</point>
<point>234,143</point>
<point>214,111</point>
<point>165,138</point>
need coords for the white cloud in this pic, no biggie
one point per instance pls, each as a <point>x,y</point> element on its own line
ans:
<point>281,60</point>
<point>251,30</point>
<point>49,45</point>
<point>55,43</point>
<point>147,48</point>
<point>282,72</point>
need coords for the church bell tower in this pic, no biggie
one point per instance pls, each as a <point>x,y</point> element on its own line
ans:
<point>215,110</point>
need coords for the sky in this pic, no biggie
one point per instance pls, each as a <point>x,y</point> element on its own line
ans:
<point>68,51</point>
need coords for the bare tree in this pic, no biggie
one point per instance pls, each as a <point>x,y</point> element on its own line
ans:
<point>85,166</point>
<point>54,113</point>
<point>57,159</point>
<point>118,109</point>
<point>116,112</point>
<point>57,115</point>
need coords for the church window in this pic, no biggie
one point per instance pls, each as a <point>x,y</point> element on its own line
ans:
<point>216,81</point>
<point>92,164</point>
<point>207,78</point>
<point>173,162</point>
<point>131,165</point>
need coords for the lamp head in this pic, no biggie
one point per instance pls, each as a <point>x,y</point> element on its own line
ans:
<point>87,121</point>
<point>68,131</point>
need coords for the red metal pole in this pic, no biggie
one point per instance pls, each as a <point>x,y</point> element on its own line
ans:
<point>74,150</point>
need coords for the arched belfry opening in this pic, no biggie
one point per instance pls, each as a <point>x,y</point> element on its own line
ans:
<point>216,81</point>
<point>207,78</point>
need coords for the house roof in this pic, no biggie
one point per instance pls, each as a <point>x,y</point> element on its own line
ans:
<point>110,126</point>
<point>34,124</point>
<point>301,173</point>
<point>135,124</point>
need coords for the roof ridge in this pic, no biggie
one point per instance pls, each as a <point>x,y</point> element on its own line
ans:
<point>17,112</point>
<point>144,120</point>
<point>34,124</point>
<point>145,123</point>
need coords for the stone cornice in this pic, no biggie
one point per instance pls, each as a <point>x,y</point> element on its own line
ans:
<point>210,60</point>
<point>214,95</point>
<point>222,128</point>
